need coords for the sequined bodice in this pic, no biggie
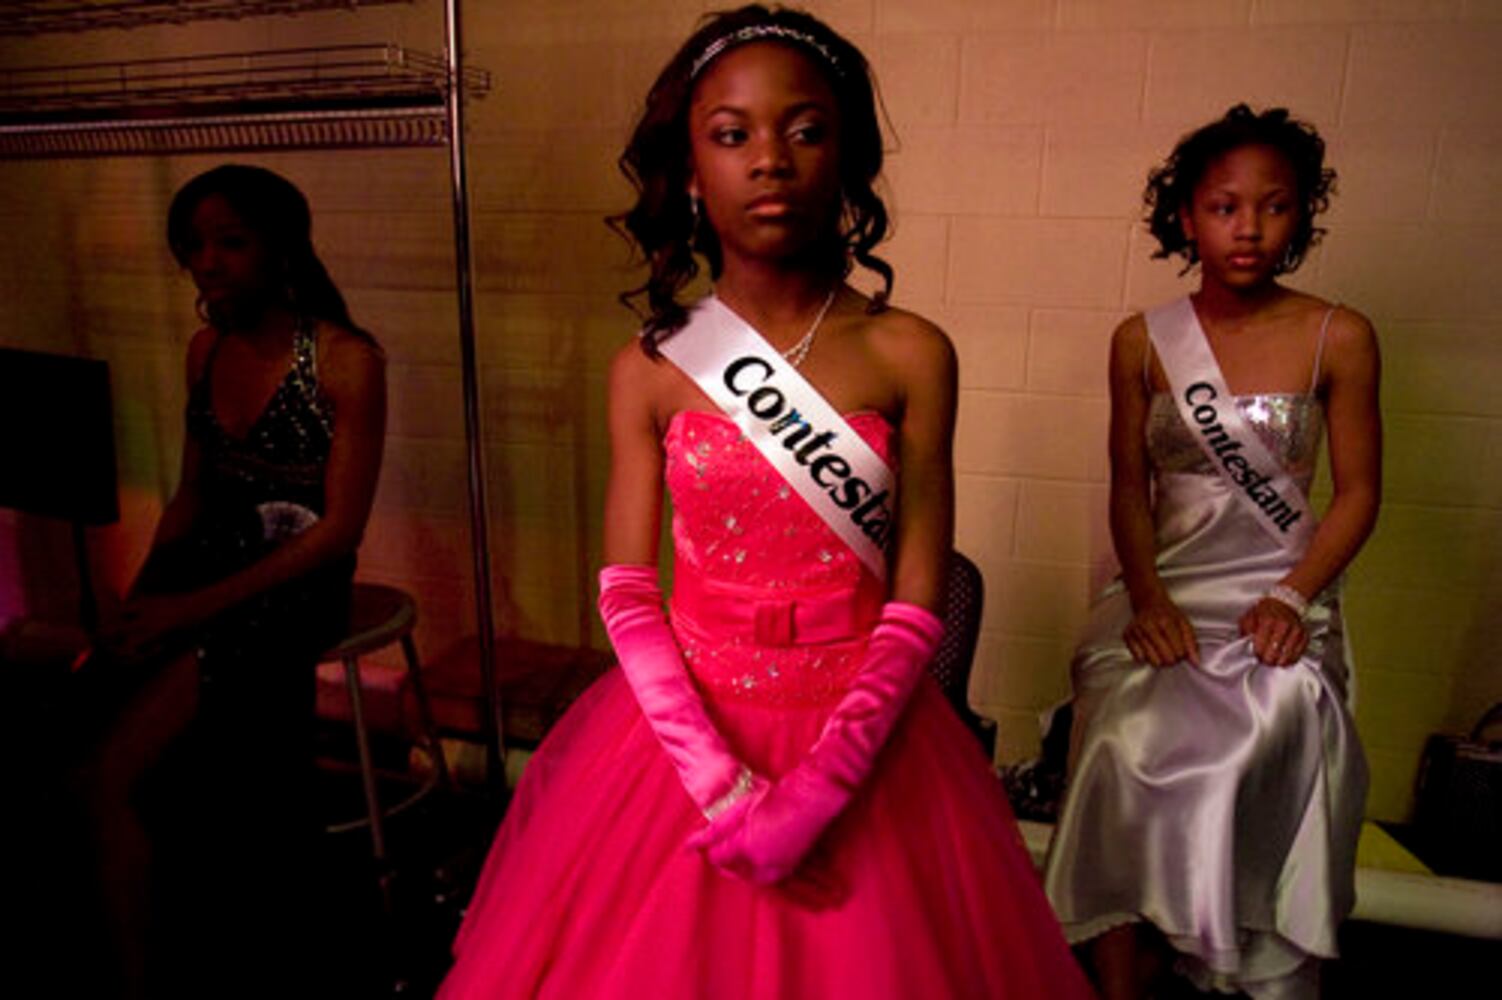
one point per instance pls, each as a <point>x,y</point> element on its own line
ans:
<point>737,520</point>
<point>1291,425</point>
<point>253,490</point>
<point>741,531</point>
<point>282,455</point>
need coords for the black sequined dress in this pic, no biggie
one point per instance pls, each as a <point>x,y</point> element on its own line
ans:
<point>256,491</point>
<point>235,800</point>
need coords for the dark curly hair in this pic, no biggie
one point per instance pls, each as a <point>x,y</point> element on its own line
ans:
<point>1170,187</point>
<point>277,211</point>
<point>657,163</point>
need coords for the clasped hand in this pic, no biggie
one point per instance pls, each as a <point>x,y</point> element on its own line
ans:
<point>1160,634</point>
<point>145,620</point>
<point>770,837</point>
<point>1279,636</point>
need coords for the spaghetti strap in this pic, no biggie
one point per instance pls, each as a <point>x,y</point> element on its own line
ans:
<point>1319,348</point>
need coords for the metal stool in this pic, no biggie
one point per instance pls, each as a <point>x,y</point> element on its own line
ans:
<point>379,616</point>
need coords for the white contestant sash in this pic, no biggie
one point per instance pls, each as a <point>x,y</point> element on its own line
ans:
<point>807,441</point>
<point>1254,474</point>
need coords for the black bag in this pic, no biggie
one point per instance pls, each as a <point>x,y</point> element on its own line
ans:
<point>1458,804</point>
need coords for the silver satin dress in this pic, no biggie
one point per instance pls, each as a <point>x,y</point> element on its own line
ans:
<point>1222,803</point>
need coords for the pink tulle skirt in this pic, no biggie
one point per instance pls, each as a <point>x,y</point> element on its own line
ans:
<point>589,892</point>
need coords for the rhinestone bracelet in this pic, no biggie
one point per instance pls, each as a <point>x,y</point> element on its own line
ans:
<point>1284,594</point>
<point>737,792</point>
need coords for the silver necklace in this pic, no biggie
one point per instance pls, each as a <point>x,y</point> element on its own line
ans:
<point>799,351</point>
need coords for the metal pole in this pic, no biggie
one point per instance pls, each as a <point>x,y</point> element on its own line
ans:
<point>478,524</point>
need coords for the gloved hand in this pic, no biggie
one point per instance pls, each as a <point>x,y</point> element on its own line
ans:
<point>769,832</point>
<point>631,607</point>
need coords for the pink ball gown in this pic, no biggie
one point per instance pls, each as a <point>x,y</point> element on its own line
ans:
<point>589,891</point>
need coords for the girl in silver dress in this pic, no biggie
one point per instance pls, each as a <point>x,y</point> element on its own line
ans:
<point>1216,782</point>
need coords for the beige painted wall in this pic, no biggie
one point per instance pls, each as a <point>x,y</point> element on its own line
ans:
<point>1023,130</point>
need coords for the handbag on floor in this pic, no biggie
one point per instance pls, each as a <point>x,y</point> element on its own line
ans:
<point>1458,803</point>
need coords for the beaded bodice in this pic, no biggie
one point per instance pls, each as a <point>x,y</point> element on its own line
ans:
<point>282,455</point>
<point>256,490</point>
<point>739,527</point>
<point>1290,424</point>
<point>736,519</point>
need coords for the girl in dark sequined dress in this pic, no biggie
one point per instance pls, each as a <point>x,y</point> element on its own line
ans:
<point>247,582</point>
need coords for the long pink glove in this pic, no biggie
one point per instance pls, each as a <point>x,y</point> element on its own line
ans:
<point>768,834</point>
<point>631,606</point>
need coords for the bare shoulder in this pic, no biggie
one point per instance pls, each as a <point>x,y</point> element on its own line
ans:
<point>1351,346</point>
<point>636,375</point>
<point>1309,312</point>
<point>348,361</point>
<point>909,344</point>
<point>1129,345</point>
<point>630,362</point>
<point>1351,330</point>
<point>1130,334</point>
<point>641,388</point>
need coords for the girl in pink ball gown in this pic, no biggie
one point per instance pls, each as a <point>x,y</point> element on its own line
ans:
<point>770,798</point>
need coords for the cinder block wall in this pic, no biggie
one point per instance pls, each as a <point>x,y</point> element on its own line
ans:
<point>1022,134</point>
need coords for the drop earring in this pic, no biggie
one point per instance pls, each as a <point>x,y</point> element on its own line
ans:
<point>1289,262</point>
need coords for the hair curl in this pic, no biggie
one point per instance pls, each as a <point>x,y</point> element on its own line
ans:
<point>1170,186</point>
<point>661,225</point>
<point>272,207</point>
